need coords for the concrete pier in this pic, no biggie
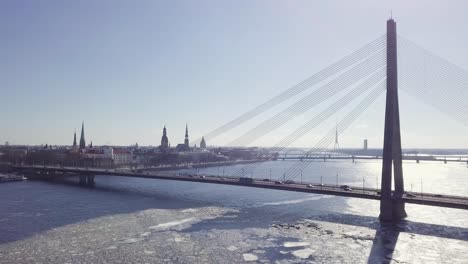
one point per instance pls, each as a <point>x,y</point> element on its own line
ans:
<point>82,180</point>
<point>90,180</point>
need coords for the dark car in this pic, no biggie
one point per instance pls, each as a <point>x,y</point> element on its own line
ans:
<point>289,182</point>
<point>246,180</point>
<point>278,182</point>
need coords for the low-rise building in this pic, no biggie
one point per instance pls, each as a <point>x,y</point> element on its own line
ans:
<point>122,156</point>
<point>97,153</point>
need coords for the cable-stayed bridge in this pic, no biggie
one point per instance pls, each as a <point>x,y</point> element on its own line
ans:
<point>380,67</point>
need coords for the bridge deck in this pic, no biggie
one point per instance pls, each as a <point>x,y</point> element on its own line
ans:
<point>457,202</point>
<point>357,157</point>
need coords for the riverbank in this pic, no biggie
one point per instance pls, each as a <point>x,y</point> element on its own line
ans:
<point>201,165</point>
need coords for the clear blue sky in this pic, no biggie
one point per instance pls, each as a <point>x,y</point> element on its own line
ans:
<point>129,67</point>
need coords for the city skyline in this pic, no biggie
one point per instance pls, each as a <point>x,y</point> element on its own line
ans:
<point>241,131</point>
<point>127,69</point>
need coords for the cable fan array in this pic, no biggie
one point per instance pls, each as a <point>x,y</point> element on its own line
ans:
<point>359,78</point>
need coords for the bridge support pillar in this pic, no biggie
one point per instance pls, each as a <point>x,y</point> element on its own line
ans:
<point>392,207</point>
<point>82,179</point>
<point>87,180</point>
<point>90,180</point>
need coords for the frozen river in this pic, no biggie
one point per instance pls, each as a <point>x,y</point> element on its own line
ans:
<point>127,220</point>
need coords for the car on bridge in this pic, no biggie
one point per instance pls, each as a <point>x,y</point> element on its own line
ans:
<point>278,182</point>
<point>289,182</point>
<point>246,180</point>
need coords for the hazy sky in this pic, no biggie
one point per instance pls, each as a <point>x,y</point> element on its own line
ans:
<point>128,67</point>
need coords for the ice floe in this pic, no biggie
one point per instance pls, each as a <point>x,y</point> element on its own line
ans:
<point>232,248</point>
<point>249,257</point>
<point>296,201</point>
<point>295,244</point>
<point>132,240</point>
<point>303,253</point>
<point>173,223</point>
<point>190,210</point>
<point>145,234</point>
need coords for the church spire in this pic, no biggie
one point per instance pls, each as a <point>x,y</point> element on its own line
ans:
<point>82,138</point>
<point>74,140</point>
<point>186,141</point>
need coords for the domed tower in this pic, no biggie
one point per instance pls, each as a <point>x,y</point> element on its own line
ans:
<point>164,140</point>
<point>203,143</point>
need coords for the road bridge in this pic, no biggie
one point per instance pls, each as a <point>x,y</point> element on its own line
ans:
<point>361,157</point>
<point>87,178</point>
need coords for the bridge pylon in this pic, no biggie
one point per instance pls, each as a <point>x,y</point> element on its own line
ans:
<point>392,207</point>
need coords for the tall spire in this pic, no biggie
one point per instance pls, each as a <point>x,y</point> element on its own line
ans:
<point>74,140</point>
<point>186,141</point>
<point>82,138</point>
